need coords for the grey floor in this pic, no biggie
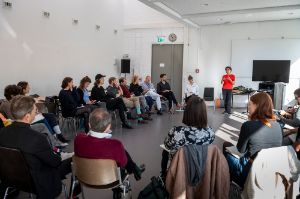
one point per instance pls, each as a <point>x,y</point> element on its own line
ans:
<point>143,144</point>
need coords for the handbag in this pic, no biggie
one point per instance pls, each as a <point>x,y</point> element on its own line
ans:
<point>154,190</point>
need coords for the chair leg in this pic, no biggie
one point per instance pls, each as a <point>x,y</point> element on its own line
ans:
<point>6,192</point>
<point>72,188</point>
<point>82,193</point>
<point>65,190</point>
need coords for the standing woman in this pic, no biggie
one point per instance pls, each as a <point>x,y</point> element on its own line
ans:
<point>227,81</point>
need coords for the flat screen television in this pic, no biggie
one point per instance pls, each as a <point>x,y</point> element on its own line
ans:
<point>271,70</point>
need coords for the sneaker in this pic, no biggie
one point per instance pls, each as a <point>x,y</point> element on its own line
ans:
<point>138,170</point>
<point>126,126</point>
<point>61,138</point>
<point>142,122</point>
<point>159,112</point>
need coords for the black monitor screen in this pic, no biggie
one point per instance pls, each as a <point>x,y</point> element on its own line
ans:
<point>271,70</point>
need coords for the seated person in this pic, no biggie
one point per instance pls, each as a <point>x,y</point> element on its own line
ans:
<point>191,88</point>
<point>195,132</point>
<point>26,89</point>
<point>260,132</point>
<point>136,89</point>
<point>149,90</point>
<point>291,114</point>
<point>98,144</point>
<point>130,101</point>
<point>82,90</point>
<point>46,167</point>
<point>69,102</point>
<point>98,94</point>
<point>164,89</point>
<point>9,92</point>
<point>49,119</point>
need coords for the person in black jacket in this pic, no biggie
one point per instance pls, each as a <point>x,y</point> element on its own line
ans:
<point>137,90</point>
<point>98,93</point>
<point>70,105</point>
<point>164,89</point>
<point>46,167</point>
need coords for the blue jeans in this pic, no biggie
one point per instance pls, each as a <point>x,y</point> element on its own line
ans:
<point>238,167</point>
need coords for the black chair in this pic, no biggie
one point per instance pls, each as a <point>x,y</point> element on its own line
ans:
<point>209,95</point>
<point>14,172</point>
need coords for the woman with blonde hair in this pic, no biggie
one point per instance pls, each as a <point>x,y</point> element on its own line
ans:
<point>136,89</point>
<point>261,131</point>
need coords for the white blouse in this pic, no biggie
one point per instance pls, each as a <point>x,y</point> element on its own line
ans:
<point>191,89</point>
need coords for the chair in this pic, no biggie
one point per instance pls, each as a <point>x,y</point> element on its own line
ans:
<point>98,174</point>
<point>14,172</point>
<point>274,173</point>
<point>209,95</point>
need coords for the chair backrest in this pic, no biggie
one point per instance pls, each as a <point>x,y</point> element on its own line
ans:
<point>14,171</point>
<point>96,172</point>
<point>209,94</point>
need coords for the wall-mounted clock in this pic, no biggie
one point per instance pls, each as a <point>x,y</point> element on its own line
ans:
<point>172,37</point>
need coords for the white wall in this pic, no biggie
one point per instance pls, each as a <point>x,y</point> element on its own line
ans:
<point>44,50</point>
<point>215,46</point>
<point>137,15</point>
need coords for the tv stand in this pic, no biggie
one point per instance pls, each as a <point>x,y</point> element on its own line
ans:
<point>275,90</point>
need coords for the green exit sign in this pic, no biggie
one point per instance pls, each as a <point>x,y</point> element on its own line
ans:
<point>161,39</point>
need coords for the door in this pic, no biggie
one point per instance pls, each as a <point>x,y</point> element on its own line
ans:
<point>168,59</point>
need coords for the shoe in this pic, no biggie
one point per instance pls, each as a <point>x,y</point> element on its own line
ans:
<point>159,112</point>
<point>117,193</point>
<point>61,145</point>
<point>126,126</point>
<point>229,113</point>
<point>61,138</point>
<point>146,117</point>
<point>129,116</point>
<point>225,112</point>
<point>142,122</point>
<point>138,170</point>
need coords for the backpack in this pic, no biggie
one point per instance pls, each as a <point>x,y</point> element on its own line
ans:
<point>154,190</point>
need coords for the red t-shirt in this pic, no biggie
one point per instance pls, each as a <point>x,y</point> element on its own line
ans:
<point>227,85</point>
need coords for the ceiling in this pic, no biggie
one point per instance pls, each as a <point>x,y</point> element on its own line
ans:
<point>212,12</point>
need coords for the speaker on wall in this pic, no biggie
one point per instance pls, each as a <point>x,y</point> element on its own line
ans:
<point>125,65</point>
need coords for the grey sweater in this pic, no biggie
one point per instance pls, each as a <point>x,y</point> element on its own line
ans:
<point>255,136</point>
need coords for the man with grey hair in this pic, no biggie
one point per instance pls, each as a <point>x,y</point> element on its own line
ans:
<point>150,91</point>
<point>99,144</point>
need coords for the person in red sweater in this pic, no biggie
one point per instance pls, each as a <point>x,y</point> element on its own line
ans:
<point>98,144</point>
<point>131,101</point>
<point>227,81</point>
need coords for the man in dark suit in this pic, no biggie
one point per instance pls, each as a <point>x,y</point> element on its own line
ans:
<point>46,167</point>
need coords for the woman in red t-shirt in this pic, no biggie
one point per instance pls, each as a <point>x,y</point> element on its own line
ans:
<point>227,81</point>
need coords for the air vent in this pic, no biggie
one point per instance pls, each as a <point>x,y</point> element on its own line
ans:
<point>7,4</point>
